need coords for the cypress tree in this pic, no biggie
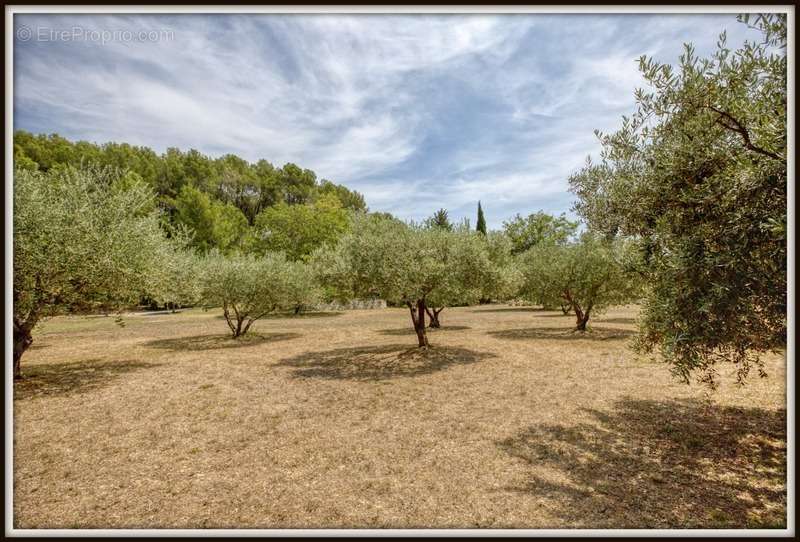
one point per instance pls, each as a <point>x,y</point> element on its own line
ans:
<point>481,220</point>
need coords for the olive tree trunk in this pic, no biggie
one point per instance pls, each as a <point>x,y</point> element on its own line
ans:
<point>434,316</point>
<point>235,321</point>
<point>418,319</point>
<point>22,340</point>
<point>240,322</point>
<point>581,316</point>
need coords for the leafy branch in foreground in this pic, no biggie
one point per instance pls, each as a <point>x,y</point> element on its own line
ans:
<point>697,177</point>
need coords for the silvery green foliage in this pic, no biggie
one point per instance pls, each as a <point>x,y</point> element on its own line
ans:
<point>80,244</point>
<point>247,287</point>
<point>175,280</point>
<point>588,276</point>
<point>505,274</point>
<point>84,239</point>
<point>302,288</point>
<point>465,266</point>
<point>698,178</point>
<point>404,263</point>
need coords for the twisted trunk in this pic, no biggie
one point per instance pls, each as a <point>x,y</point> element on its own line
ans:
<point>229,319</point>
<point>235,321</point>
<point>434,316</point>
<point>581,316</point>
<point>418,319</point>
<point>238,331</point>
<point>243,320</point>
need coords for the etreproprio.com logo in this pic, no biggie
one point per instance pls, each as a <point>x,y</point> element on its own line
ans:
<point>81,34</point>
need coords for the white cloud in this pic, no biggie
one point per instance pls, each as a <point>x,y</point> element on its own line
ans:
<point>417,112</point>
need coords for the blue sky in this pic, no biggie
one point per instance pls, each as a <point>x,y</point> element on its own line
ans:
<point>417,112</point>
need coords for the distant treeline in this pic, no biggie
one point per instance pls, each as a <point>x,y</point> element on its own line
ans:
<point>250,187</point>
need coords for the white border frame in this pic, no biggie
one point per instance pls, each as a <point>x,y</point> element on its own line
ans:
<point>9,530</point>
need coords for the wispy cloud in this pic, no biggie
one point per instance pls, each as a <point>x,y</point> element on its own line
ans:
<point>417,112</point>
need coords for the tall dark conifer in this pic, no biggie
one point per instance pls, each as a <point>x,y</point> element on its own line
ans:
<point>481,220</point>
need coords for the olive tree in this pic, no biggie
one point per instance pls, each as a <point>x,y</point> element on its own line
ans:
<point>698,175</point>
<point>588,275</point>
<point>84,239</point>
<point>246,286</point>
<point>504,274</point>
<point>423,269</point>
<point>537,228</point>
<point>302,288</point>
<point>175,280</point>
<point>464,256</point>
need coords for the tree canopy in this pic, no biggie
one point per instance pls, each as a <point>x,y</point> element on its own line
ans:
<point>538,228</point>
<point>698,177</point>
<point>84,239</point>
<point>193,188</point>
<point>588,276</point>
<point>175,279</point>
<point>247,287</point>
<point>505,277</point>
<point>439,219</point>
<point>298,230</point>
<point>213,224</point>
<point>421,268</point>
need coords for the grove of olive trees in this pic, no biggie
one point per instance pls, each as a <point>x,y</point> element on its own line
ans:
<point>685,211</point>
<point>209,341</point>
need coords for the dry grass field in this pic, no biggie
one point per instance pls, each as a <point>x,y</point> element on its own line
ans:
<point>336,420</point>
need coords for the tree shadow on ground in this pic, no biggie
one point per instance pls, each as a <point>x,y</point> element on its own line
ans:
<point>380,362</point>
<point>562,334</point>
<point>214,342</point>
<point>514,309</point>
<point>660,464</point>
<point>54,379</point>
<point>410,330</point>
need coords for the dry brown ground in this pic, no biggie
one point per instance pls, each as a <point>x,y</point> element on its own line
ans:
<point>335,420</point>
